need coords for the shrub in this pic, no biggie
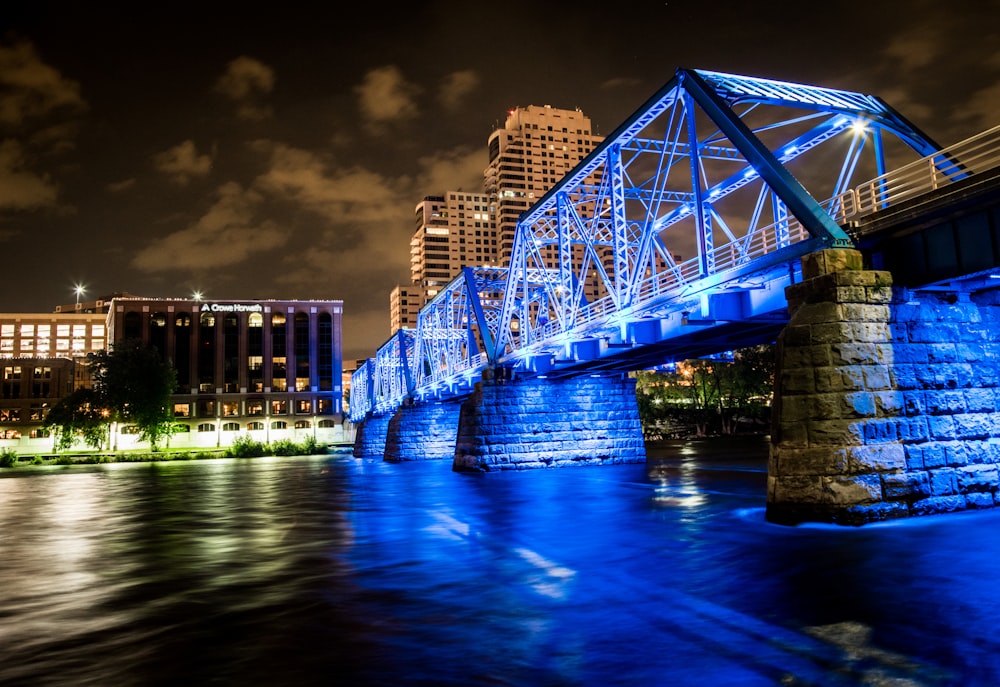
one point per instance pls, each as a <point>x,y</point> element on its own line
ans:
<point>284,447</point>
<point>245,447</point>
<point>8,458</point>
<point>312,447</point>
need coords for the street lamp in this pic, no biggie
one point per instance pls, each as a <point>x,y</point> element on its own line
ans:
<point>79,290</point>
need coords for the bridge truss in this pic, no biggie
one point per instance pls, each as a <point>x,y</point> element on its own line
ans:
<point>674,238</point>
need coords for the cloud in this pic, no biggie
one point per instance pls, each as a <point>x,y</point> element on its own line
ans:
<point>246,81</point>
<point>21,188</point>
<point>119,186</point>
<point>385,97</point>
<point>227,234</point>
<point>451,170</point>
<point>32,88</point>
<point>346,196</point>
<point>983,106</point>
<point>182,162</point>
<point>456,86</point>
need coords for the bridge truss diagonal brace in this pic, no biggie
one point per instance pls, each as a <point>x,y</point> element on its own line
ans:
<point>816,221</point>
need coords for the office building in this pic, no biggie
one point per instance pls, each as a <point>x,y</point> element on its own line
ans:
<point>270,369</point>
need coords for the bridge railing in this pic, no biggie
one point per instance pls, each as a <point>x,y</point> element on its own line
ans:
<point>971,156</point>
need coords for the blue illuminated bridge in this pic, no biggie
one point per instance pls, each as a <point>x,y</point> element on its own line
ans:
<point>723,209</point>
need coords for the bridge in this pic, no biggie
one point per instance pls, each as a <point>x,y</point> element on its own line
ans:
<point>694,229</point>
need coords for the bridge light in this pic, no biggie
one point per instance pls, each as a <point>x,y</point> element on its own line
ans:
<point>859,126</point>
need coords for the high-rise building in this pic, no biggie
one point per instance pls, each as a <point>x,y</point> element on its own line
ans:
<point>536,147</point>
<point>453,230</point>
<point>534,150</point>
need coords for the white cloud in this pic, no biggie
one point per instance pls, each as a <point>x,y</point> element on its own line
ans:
<point>246,81</point>
<point>32,88</point>
<point>227,234</point>
<point>119,186</point>
<point>182,162</point>
<point>385,96</point>
<point>21,188</point>
<point>457,86</point>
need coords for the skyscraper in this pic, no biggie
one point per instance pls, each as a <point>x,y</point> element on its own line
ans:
<point>535,148</point>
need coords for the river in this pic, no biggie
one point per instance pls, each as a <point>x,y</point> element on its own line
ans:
<point>330,570</point>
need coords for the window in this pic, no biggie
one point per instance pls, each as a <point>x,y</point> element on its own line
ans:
<point>9,434</point>
<point>10,414</point>
<point>255,426</point>
<point>303,406</point>
<point>231,427</point>
<point>279,407</point>
<point>255,406</point>
<point>326,423</point>
<point>206,427</point>
<point>302,424</point>
<point>129,429</point>
<point>279,424</point>
<point>231,409</point>
<point>182,410</point>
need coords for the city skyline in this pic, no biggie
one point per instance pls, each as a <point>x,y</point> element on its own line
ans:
<point>283,157</point>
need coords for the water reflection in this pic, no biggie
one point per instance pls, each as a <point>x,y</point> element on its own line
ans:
<point>330,570</point>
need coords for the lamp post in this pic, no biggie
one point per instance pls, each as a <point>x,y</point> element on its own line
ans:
<point>79,290</point>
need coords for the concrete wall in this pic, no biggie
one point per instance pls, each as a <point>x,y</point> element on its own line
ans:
<point>885,401</point>
<point>536,423</point>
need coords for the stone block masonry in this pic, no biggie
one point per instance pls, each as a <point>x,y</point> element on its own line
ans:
<point>538,423</point>
<point>886,402</point>
<point>369,437</point>
<point>424,430</point>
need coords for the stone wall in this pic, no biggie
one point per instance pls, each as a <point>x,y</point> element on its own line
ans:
<point>425,430</point>
<point>369,437</point>
<point>537,423</point>
<point>885,401</point>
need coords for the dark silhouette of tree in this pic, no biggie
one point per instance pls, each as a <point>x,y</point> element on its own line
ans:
<point>132,385</point>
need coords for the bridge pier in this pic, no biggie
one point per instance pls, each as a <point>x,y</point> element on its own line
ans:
<point>369,436</point>
<point>887,405</point>
<point>422,431</point>
<point>538,422</point>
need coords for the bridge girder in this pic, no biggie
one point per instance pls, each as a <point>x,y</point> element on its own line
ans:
<point>673,238</point>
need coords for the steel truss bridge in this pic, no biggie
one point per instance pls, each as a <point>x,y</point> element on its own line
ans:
<point>674,239</point>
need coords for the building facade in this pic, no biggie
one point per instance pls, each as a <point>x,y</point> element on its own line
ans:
<point>534,150</point>
<point>41,361</point>
<point>268,369</point>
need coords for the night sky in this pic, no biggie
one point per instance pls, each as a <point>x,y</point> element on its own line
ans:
<point>278,150</point>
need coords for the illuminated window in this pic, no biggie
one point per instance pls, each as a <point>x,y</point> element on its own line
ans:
<point>97,330</point>
<point>279,407</point>
<point>182,410</point>
<point>303,406</point>
<point>10,434</point>
<point>62,330</point>
<point>231,409</point>
<point>27,330</point>
<point>302,424</point>
<point>255,407</point>
<point>7,330</point>
<point>255,426</point>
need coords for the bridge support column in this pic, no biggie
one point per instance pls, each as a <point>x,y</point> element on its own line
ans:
<point>538,423</point>
<point>886,405</point>
<point>424,430</point>
<point>369,436</point>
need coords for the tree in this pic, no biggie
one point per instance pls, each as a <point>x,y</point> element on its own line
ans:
<point>132,384</point>
<point>80,414</point>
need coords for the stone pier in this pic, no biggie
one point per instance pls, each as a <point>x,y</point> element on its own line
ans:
<point>886,401</point>
<point>369,437</point>
<point>422,431</point>
<point>537,423</point>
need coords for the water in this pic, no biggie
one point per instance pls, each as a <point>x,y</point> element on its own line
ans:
<point>329,570</point>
